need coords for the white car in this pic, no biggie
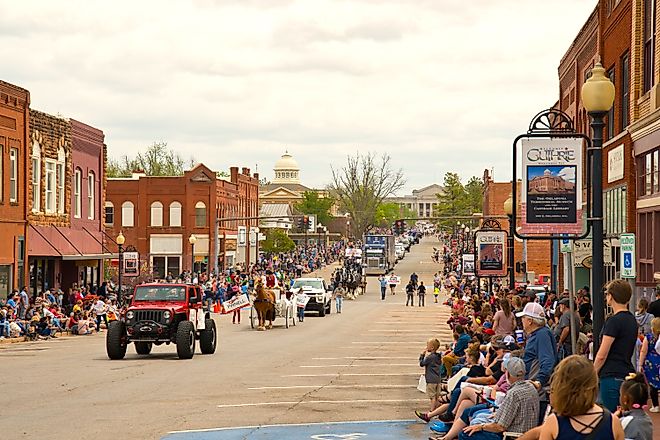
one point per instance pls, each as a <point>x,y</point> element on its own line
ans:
<point>320,296</point>
<point>399,250</point>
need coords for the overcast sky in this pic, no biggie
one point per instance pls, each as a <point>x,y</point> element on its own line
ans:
<point>440,85</point>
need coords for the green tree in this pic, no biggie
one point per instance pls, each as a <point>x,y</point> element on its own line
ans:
<point>313,204</point>
<point>277,242</point>
<point>387,213</point>
<point>156,160</point>
<point>475,194</point>
<point>458,199</point>
<point>362,185</point>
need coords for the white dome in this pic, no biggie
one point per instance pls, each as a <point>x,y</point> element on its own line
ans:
<point>286,162</point>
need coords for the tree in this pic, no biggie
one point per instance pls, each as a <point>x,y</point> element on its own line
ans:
<point>475,194</point>
<point>387,213</point>
<point>458,200</point>
<point>157,160</point>
<point>277,242</point>
<point>362,185</point>
<point>313,204</point>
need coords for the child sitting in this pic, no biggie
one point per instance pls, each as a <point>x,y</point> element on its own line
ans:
<point>634,394</point>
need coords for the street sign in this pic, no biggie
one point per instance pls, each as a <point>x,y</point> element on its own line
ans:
<point>566,247</point>
<point>491,256</point>
<point>628,263</point>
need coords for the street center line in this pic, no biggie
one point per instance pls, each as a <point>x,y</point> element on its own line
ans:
<point>315,402</point>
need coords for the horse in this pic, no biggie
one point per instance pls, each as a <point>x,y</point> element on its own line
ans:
<point>264,304</point>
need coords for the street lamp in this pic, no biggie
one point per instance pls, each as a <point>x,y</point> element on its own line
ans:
<point>120,240</point>
<point>192,240</point>
<point>467,242</point>
<point>508,210</point>
<point>597,98</point>
<point>319,229</point>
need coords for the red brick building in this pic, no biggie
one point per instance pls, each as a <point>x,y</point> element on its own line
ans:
<point>14,136</point>
<point>64,199</point>
<point>158,215</point>
<point>539,256</point>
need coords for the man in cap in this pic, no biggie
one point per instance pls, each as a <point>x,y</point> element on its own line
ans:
<point>563,328</point>
<point>540,350</point>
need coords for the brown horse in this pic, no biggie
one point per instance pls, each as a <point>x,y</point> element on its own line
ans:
<point>264,304</point>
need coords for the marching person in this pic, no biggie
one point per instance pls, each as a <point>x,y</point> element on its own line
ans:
<point>421,294</point>
<point>338,295</point>
<point>392,283</point>
<point>410,294</point>
<point>383,286</point>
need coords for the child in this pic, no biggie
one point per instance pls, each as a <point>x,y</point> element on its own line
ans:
<point>436,292</point>
<point>431,361</point>
<point>633,396</point>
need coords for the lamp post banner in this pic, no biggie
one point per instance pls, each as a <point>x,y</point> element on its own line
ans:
<point>468,264</point>
<point>131,262</point>
<point>491,257</point>
<point>551,194</point>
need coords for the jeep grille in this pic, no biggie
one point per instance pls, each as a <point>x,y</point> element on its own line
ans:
<point>149,315</point>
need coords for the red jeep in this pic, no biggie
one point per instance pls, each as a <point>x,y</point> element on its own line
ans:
<point>163,313</point>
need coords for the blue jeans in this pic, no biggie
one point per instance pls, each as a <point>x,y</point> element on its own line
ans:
<point>479,435</point>
<point>4,329</point>
<point>301,314</point>
<point>609,392</point>
<point>468,413</point>
<point>383,289</point>
<point>455,394</point>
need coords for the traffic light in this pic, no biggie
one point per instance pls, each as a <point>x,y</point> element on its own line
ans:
<point>521,267</point>
<point>301,223</point>
<point>305,222</point>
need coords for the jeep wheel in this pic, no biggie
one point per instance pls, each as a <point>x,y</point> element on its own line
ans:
<point>143,347</point>
<point>322,310</point>
<point>115,340</point>
<point>185,340</point>
<point>208,338</point>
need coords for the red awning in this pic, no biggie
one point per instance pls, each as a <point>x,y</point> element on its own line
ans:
<point>54,241</point>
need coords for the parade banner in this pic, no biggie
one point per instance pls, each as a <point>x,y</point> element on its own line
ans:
<point>394,279</point>
<point>491,256</point>
<point>302,300</point>
<point>551,193</point>
<point>237,302</point>
<point>468,264</point>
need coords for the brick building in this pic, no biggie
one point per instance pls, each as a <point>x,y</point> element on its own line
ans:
<point>14,136</point>
<point>158,215</point>
<point>539,253</point>
<point>66,190</point>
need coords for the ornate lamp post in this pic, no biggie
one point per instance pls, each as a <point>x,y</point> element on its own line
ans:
<point>120,240</point>
<point>597,98</point>
<point>508,210</point>
<point>192,240</point>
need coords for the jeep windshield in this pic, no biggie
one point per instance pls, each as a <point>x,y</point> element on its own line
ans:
<point>310,284</point>
<point>160,293</point>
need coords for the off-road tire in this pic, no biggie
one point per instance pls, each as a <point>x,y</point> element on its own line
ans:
<point>115,340</point>
<point>322,311</point>
<point>208,338</point>
<point>143,347</point>
<point>185,340</point>
<point>328,310</point>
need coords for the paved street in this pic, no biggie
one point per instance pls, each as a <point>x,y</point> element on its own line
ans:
<point>360,365</point>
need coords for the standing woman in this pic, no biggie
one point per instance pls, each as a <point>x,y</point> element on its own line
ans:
<point>649,362</point>
<point>504,323</point>
<point>613,360</point>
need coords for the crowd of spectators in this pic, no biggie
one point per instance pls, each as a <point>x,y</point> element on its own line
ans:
<point>514,364</point>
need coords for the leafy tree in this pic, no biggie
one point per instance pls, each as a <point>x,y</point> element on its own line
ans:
<point>408,213</point>
<point>157,160</point>
<point>458,200</point>
<point>313,204</point>
<point>475,193</point>
<point>277,242</point>
<point>362,185</point>
<point>387,213</point>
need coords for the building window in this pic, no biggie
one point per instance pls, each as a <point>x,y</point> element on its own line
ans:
<point>156,214</point>
<point>77,190</point>
<point>175,214</point>
<point>610,113</point>
<point>91,195</point>
<point>615,208</point>
<point>36,177</point>
<point>50,187</point>
<point>648,178</point>
<point>60,187</point>
<point>163,266</point>
<point>127,214</point>
<point>109,213</point>
<point>649,44</point>
<point>625,92</point>
<point>13,175</point>
<point>200,215</point>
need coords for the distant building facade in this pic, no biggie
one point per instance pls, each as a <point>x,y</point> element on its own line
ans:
<point>422,201</point>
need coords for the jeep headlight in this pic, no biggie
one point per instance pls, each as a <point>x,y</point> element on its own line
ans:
<point>166,315</point>
<point>130,314</point>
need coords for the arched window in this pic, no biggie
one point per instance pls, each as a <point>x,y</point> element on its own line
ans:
<point>175,214</point>
<point>109,213</point>
<point>91,195</point>
<point>156,214</point>
<point>200,215</point>
<point>61,176</point>
<point>127,214</point>
<point>36,177</point>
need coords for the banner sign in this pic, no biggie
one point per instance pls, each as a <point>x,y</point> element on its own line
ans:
<point>468,264</point>
<point>582,253</point>
<point>491,256</point>
<point>551,200</point>
<point>237,302</point>
<point>302,300</point>
<point>394,279</point>
<point>131,262</point>
<point>628,263</point>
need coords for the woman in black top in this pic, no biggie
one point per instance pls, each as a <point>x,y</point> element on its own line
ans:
<point>613,360</point>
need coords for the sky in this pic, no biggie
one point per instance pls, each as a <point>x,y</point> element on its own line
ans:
<point>439,85</point>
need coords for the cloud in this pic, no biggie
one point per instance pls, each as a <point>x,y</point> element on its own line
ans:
<point>440,86</point>
<point>567,173</point>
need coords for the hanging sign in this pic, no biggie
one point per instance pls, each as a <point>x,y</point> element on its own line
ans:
<point>491,256</point>
<point>468,264</point>
<point>551,201</point>
<point>582,253</point>
<point>628,263</point>
<point>131,262</point>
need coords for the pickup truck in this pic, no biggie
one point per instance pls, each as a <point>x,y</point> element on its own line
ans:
<point>320,295</point>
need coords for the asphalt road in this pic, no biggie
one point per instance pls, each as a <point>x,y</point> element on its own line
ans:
<point>358,365</point>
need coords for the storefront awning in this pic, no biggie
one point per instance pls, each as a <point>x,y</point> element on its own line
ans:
<point>67,243</point>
